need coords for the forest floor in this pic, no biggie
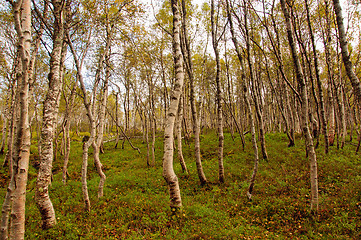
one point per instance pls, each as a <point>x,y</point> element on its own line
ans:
<point>136,203</point>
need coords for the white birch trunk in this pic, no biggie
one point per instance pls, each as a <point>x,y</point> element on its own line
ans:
<point>355,82</point>
<point>51,105</point>
<point>168,171</point>
<point>22,16</point>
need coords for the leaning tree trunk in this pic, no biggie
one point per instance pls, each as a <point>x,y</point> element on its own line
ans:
<point>304,115</point>
<point>355,82</point>
<point>51,104</point>
<point>168,171</point>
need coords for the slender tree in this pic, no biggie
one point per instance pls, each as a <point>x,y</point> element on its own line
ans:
<point>355,82</point>
<point>304,104</point>
<point>189,67</point>
<point>215,42</point>
<point>168,171</point>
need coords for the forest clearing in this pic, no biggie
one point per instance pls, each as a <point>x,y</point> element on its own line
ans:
<point>135,204</point>
<point>180,119</point>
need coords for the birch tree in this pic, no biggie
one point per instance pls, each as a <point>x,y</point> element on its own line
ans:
<point>215,42</point>
<point>51,105</point>
<point>168,171</point>
<point>189,67</point>
<point>22,19</point>
<point>304,114</point>
<point>355,82</point>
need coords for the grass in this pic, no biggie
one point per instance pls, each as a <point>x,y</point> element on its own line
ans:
<point>135,202</point>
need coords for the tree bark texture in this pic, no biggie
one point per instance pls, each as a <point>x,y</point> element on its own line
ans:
<point>51,104</point>
<point>22,17</point>
<point>168,171</point>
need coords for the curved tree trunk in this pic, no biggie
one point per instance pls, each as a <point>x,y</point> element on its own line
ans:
<point>99,139</point>
<point>51,104</point>
<point>355,82</point>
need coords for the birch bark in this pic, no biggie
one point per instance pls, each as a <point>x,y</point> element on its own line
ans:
<point>168,171</point>
<point>22,19</point>
<point>51,105</point>
<point>355,82</point>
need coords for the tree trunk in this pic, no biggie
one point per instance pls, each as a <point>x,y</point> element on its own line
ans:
<point>179,135</point>
<point>330,75</point>
<point>168,171</point>
<point>6,207</point>
<point>4,131</point>
<point>147,139</point>
<point>304,115</point>
<point>97,144</point>
<point>87,140</point>
<point>254,88</point>
<point>319,84</point>
<point>355,82</point>
<point>189,66</point>
<point>254,141</point>
<point>22,19</point>
<point>51,104</point>
<point>218,96</point>
<point>240,58</point>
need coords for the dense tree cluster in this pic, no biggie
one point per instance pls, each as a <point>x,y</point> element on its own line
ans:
<point>118,69</point>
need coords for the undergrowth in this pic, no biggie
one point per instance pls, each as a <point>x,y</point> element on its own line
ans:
<point>135,202</point>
